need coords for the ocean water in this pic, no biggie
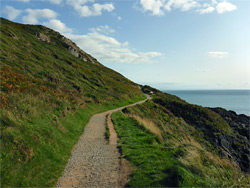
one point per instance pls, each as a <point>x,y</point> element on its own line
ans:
<point>236,100</point>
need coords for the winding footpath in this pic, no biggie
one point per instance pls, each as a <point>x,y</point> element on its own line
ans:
<point>94,162</point>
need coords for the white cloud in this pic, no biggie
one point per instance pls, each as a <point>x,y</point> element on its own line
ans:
<point>35,14</point>
<point>225,7</point>
<point>206,10</point>
<point>107,49</point>
<point>119,18</point>
<point>11,12</point>
<point>105,29</point>
<point>214,2</point>
<point>159,7</point>
<point>217,54</point>
<point>184,5</point>
<point>57,2</point>
<point>86,8</point>
<point>58,26</point>
<point>154,6</point>
<point>25,1</point>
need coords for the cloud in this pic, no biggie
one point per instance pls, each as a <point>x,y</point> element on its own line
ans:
<point>214,2</point>
<point>217,54</point>
<point>209,9</point>
<point>225,7</point>
<point>84,10</point>
<point>155,6</point>
<point>184,5</point>
<point>107,49</point>
<point>57,2</point>
<point>58,26</point>
<point>105,29</point>
<point>11,12</point>
<point>25,1</point>
<point>35,14</point>
<point>159,7</point>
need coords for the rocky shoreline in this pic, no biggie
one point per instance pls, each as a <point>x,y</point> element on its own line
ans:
<point>236,146</point>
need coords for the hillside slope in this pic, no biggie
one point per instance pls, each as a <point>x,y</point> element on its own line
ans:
<point>172,143</point>
<point>49,90</point>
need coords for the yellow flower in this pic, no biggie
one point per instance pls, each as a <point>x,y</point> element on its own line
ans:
<point>19,160</point>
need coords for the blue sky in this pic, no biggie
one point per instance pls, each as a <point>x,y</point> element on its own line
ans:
<point>168,44</point>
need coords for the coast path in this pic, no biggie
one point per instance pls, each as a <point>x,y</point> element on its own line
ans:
<point>94,162</point>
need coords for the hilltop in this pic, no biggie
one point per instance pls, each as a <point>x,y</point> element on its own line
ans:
<point>49,90</point>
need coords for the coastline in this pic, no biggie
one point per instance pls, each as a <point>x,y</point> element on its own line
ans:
<point>237,101</point>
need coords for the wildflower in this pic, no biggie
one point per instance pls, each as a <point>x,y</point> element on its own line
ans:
<point>19,160</point>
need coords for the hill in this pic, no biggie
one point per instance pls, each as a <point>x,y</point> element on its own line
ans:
<point>172,143</point>
<point>49,90</point>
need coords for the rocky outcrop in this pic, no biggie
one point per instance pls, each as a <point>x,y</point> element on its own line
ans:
<point>67,43</point>
<point>43,37</point>
<point>77,52</point>
<point>13,35</point>
<point>236,146</point>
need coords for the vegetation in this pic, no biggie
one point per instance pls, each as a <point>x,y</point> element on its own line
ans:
<point>47,97</point>
<point>184,157</point>
<point>107,132</point>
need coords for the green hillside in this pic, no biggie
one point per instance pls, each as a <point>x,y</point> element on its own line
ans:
<point>49,90</point>
<point>172,143</point>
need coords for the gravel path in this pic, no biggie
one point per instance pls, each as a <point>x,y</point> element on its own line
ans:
<point>94,162</point>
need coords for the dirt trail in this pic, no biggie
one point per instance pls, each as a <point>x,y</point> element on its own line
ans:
<point>94,162</point>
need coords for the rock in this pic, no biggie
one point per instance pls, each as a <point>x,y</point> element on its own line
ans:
<point>224,143</point>
<point>238,144</point>
<point>13,35</point>
<point>43,37</point>
<point>77,52</point>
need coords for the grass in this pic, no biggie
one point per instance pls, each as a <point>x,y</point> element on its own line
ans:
<point>107,132</point>
<point>138,146</point>
<point>183,159</point>
<point>148,125</point>
<point>47,97</point>
<point>156,164</point>
<point>35,152</point>
<point>198,116</point>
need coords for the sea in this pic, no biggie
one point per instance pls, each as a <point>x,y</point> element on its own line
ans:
<point>235,100</point>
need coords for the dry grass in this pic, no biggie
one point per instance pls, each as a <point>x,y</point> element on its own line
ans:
<point>148,124</point>
<point>212,166</point>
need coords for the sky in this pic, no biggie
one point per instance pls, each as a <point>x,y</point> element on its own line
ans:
<point>167,44</point>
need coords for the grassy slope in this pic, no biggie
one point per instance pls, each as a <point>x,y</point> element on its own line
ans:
<point>47,97</point>
<point>185,157</point>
